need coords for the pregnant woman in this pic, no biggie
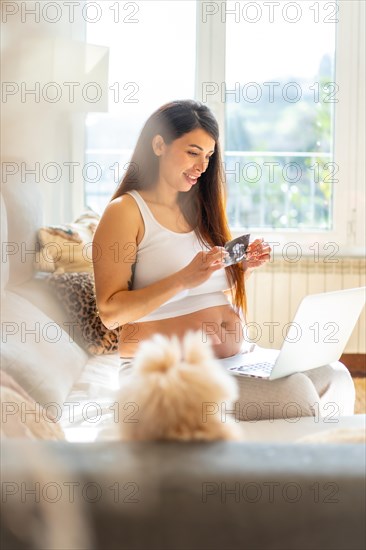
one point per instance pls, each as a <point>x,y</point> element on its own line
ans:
<point>159,262</point>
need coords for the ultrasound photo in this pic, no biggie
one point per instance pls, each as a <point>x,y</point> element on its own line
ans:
<point>237,249</point>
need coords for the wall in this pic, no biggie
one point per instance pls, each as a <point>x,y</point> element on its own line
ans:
<point>46,126</point>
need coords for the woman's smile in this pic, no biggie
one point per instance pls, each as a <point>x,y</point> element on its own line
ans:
<point>191,179</point>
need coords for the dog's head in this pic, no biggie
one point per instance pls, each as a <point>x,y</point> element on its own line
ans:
<point>179,391</point>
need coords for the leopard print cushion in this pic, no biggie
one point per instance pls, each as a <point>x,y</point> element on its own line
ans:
<point>76,292</point>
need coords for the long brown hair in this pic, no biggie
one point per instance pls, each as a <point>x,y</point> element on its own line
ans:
<point>204,205</point>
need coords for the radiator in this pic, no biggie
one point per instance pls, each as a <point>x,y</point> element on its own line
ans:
<point>275,290</point>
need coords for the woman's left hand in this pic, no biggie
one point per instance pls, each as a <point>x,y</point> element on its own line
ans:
<point>258,253</point>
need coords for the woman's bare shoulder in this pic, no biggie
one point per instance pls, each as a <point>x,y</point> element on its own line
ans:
<point>124,202</point>
<point>123,215</point>
<point>125,208</point>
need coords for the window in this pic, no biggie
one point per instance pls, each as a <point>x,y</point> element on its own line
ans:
<point>279,93</point>
<point>325,209</point>
<point>152,61</point>
<point>285,81</point>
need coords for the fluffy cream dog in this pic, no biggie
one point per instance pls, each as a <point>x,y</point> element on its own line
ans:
<point>177,389</point>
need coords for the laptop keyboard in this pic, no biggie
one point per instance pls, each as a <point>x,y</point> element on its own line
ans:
<point>264,366</point>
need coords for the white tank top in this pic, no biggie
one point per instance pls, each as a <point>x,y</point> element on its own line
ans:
<point>163,252</point>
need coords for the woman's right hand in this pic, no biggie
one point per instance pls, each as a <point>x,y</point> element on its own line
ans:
<point>202,266</point>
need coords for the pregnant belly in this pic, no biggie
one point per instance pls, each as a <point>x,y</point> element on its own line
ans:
<point>219,325</point>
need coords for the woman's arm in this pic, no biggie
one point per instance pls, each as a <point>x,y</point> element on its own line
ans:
<point>114,255</point>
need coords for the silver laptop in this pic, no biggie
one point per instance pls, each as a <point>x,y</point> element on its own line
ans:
<point>317,336</point>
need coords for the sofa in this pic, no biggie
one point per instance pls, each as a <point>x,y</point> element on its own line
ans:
<point>76,485</point>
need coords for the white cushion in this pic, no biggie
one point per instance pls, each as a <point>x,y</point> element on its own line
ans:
<point>37,353</point>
